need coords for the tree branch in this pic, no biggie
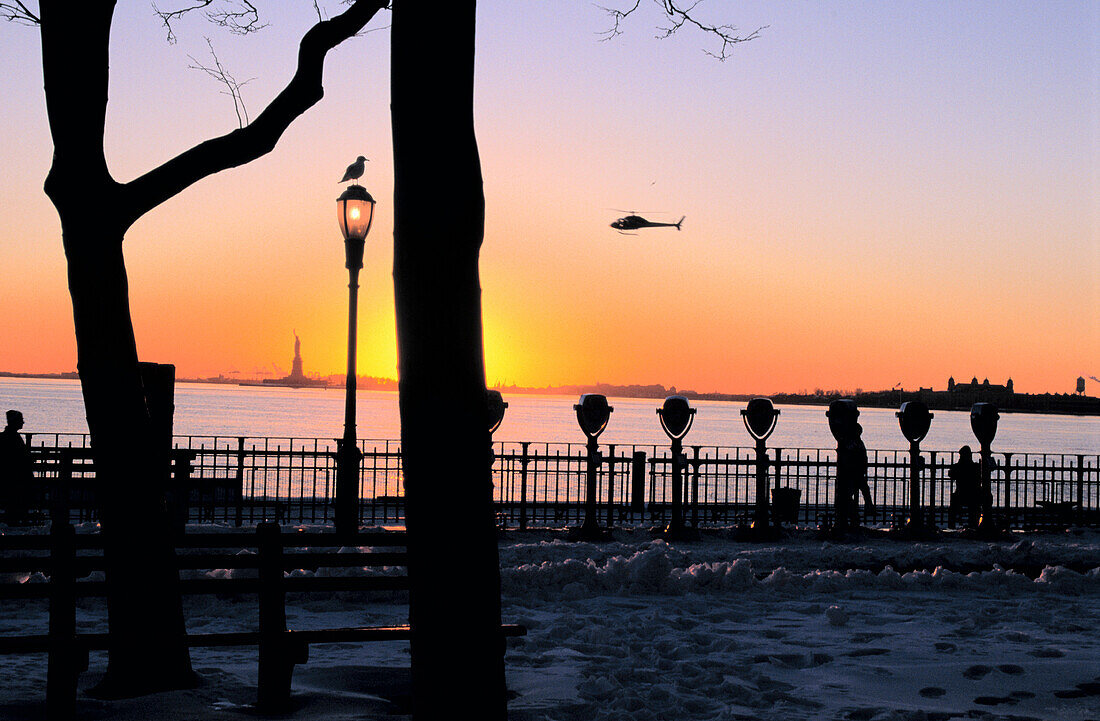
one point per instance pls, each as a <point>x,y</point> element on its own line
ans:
<point>17,12</point>
<point>233,86</point>
<point>239,17</point>
<point>677,14</point>
<point>258,138</point>
<point>241,20</point>
<point>167,16</point>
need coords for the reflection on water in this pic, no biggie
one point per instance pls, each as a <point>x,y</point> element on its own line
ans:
<point>225,410</point>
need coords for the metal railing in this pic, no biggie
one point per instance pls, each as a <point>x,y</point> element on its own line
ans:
<point>243,480</point>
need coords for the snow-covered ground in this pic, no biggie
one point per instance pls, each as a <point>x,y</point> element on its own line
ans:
<point>712,629</point>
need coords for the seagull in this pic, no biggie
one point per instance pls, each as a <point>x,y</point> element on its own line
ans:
<point>355,170</point>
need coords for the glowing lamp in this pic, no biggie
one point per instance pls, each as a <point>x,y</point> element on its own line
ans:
<point>354,213</point>
<point>593,414</point>
<point>760,418</point>
<point>915,420</point>
<point>497,404</point>
<point>983,421</point>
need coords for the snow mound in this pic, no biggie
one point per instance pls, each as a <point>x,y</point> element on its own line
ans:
<point>658,568</point>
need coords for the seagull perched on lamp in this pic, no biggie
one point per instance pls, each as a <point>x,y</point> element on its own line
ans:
<point>355,170</point>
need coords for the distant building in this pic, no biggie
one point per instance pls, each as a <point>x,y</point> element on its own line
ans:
<point>967,394</point>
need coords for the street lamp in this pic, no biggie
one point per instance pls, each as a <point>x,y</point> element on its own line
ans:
<point>760,418</point>
<point>915,420</point>
<point>593,412</point>
<point>676,419</point>
<point>354,213</point>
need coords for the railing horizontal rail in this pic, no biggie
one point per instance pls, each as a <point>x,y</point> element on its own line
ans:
<point>243,480</point>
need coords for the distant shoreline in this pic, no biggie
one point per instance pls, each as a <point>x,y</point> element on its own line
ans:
<point>1059,404</point>
<point>1063,404</point>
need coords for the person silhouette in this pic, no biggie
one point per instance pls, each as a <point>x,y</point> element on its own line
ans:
<point>855,472</point>
<point>16,474</point>
<point>967,475</point>
<point>851,477</point>
<point>859,479</point>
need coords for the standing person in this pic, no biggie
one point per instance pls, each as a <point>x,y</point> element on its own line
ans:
<point>16,475</point>
<point>851,478</point>
<point>967,475</point>
<point>859,476</point>
<point>855,472</point>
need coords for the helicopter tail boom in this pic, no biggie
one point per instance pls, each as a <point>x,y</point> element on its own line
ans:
<point>680,223</point>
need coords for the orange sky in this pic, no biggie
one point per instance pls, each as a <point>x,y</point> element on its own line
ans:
<point>873,195</point>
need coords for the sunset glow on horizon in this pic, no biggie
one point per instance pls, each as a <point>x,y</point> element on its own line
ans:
<point>874,194</point>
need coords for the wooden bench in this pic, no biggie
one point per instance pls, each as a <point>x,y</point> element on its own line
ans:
<point>279,648</point>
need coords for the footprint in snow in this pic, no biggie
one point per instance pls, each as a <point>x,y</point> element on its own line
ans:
<point>1011,669</point>
<point>976,672</point>
<point>944,647</point>
<point>1046,653</point>
<point>996,700</point>
<point>867,652</point>
<point>1089,688</point>
<point>932,691</point>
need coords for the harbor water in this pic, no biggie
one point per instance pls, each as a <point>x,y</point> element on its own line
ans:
<point>55,406</point>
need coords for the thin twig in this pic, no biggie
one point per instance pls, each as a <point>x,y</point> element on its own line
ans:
<point>677,15</point>
<point>239,17</point>
<point>168,16</point>
<point>233,86</point>
<point>17,12</point>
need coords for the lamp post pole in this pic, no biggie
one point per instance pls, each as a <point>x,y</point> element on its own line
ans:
<point>347,470</point>
<point>355,211</point>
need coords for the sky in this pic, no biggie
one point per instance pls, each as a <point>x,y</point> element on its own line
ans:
<point>875,194</point>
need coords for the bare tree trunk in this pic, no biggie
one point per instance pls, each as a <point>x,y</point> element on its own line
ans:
<point>148,645</point>
<point>148,649</point>
<point>439,219</point>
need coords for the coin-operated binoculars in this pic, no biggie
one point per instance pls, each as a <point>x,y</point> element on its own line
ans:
<point>843,417</point>
<point>760,419</point>
<point>593,412</point>
<point>915,420</point>
<point>676,418</point>
<point>496,405</point>
<point>983,421</point>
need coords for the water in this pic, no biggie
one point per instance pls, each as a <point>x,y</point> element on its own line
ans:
<point>56,406</point>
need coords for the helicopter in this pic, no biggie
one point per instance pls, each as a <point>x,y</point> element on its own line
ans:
<point>634,222</point>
